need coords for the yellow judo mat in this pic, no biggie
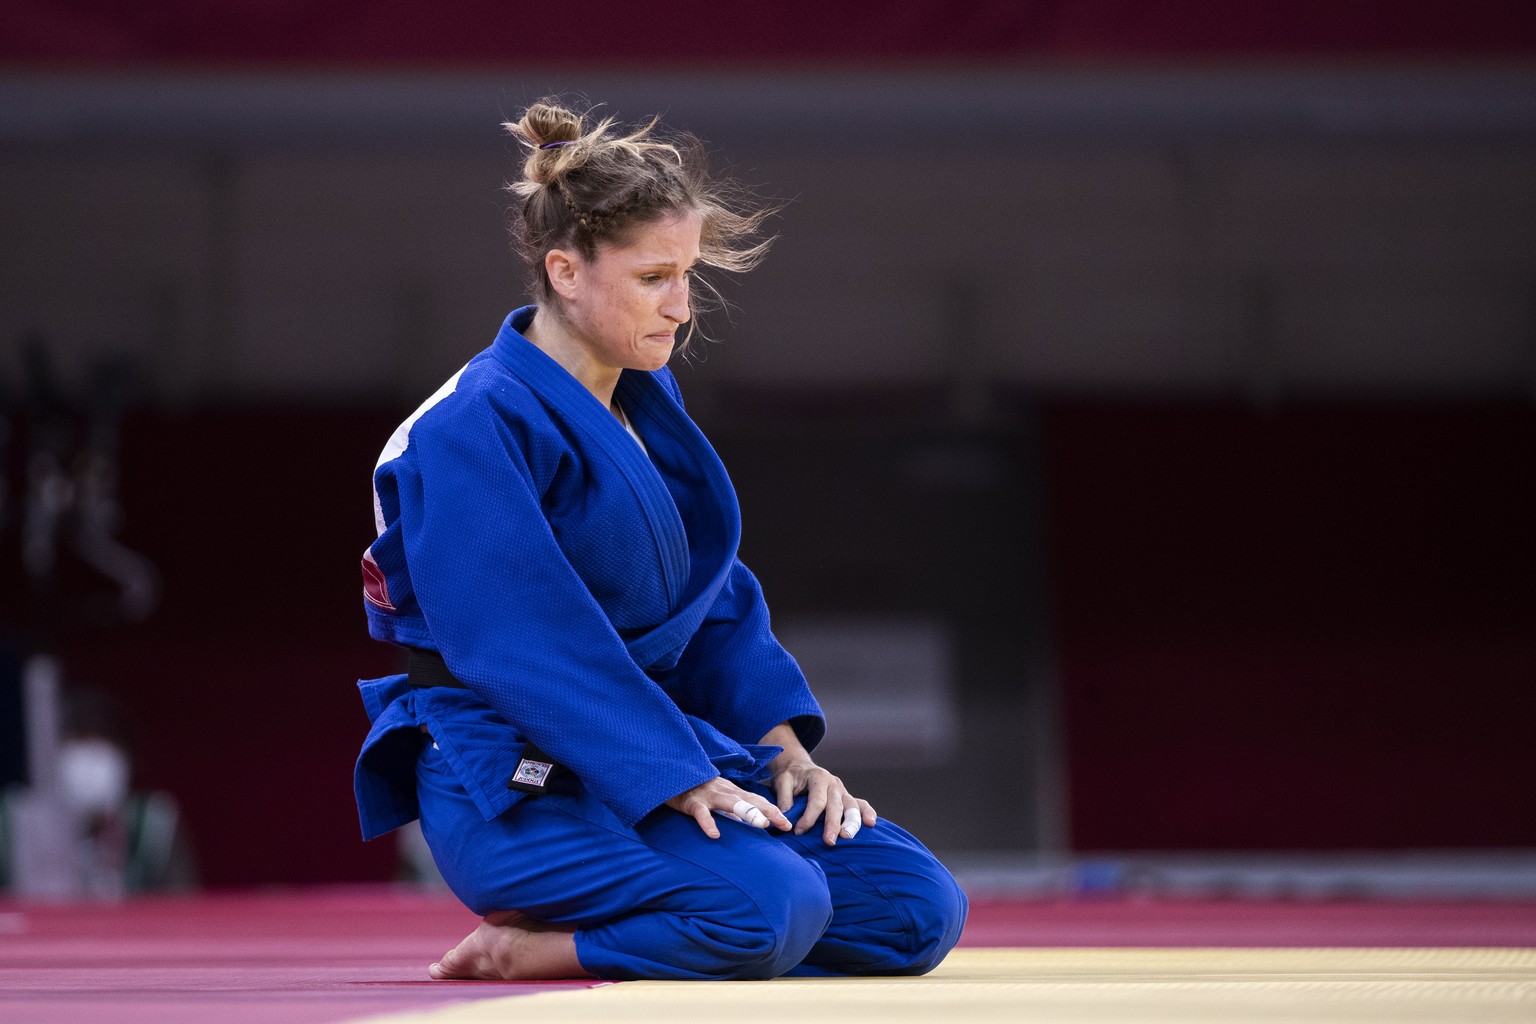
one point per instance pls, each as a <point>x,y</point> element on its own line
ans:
<point>1083,986</point>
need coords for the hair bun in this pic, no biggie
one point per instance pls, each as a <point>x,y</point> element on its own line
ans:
<point>544,123</point>
<point>547,128</point>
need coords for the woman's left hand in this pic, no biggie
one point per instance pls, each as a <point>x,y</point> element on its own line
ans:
<point>827,798</point>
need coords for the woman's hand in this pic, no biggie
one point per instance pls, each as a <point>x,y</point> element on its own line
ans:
<point>701,802</point>
<point>826,797</point>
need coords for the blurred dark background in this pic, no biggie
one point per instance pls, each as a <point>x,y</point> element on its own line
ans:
<point>1135,421</point>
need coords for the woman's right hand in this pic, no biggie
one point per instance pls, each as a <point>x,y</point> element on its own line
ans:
<point>701,802</point>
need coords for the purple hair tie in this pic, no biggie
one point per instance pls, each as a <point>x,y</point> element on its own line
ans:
<point>556,145</point>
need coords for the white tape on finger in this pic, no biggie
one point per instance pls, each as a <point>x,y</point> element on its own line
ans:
<point>851,823</point>
<point>749,814</point>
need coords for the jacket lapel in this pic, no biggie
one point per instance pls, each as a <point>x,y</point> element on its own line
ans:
<point>707,502</point>
<point>695,560</point>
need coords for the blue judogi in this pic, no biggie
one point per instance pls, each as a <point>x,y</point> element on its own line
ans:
<point>588,594</point>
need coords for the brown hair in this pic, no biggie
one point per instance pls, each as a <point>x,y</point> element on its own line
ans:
<point>583,188</point>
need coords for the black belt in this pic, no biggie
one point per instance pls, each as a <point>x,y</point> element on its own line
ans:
<point>427,668</point>
<point>536,768</point>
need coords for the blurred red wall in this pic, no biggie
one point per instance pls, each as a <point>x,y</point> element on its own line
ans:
<point>364,32</point>
<point>1308,629</point>
<point>1313,628</point>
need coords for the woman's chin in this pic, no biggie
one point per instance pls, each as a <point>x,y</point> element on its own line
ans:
<point>654,357</point>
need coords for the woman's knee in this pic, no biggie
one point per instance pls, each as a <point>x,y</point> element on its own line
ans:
<point>788,921</point>
<point>717,928</point>
<point>903,920</point>
<point>936,914</point>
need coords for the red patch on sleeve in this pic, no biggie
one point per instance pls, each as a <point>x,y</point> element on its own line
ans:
<point>375,589</point>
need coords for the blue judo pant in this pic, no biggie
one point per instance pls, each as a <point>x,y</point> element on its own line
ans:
<point>663,900</point>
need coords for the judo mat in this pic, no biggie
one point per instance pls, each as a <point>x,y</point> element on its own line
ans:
<point>359,954</point>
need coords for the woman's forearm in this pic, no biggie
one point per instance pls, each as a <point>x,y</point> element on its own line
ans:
<point>783,735</point>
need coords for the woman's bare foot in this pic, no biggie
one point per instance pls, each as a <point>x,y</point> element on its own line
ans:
<point>507,946</point>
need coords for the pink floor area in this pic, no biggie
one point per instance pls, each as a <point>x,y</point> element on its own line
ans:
<point>324,955</point>
<point>274,957</point>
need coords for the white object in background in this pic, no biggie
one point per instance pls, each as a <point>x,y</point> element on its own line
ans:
<point>40,694</point>
<point>45,856</point>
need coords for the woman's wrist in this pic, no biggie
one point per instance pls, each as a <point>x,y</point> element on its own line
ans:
<point>783,735</point>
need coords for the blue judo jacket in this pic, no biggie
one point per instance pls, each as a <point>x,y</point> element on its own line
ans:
<point>586,591</point>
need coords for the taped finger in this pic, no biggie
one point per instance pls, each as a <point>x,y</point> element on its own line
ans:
<point>749,814</point>
<point>852,822</point>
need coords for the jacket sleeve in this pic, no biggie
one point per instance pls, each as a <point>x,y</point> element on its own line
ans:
<point>515,622</point>
<point>736,675</point>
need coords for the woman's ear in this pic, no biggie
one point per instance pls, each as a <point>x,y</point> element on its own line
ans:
<point>563,268</point>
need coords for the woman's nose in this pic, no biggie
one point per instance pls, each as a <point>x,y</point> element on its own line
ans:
<point>675,305</point>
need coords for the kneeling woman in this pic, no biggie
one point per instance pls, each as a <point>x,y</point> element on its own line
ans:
<point>608,750</point>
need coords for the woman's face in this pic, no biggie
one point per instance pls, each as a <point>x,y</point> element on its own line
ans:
<point>626,305</point>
